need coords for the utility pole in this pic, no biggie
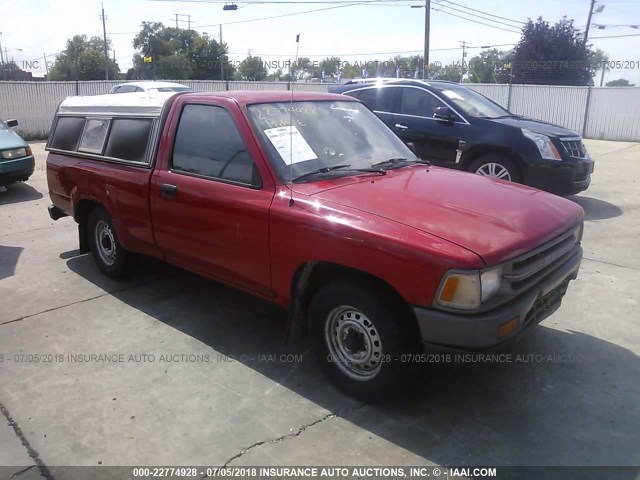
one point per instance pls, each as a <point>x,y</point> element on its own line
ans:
<point>103,17</point>
<point>464,54</point>
<point>46,67</point>
<point>221,56</point>
<point>586,30</point>
<point>178,19</point>
<point>2,60</point>
<point>427,26</point>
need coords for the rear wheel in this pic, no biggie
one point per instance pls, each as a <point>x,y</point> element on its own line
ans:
<point>359,334</point>
<point>112,259</point>
<point>497,166</point>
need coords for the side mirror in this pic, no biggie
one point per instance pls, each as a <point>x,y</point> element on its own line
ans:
<point>445,113</point>
<point>412,146</point>
<point>12,123</point>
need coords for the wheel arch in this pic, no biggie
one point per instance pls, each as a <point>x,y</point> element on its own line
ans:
<point>81,214</point>
<point>478,151</point>
<point>312,275</point>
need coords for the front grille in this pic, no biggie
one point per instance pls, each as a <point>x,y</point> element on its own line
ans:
<point>574,148</point>
<point>546,305</point>
<point>528,269</point>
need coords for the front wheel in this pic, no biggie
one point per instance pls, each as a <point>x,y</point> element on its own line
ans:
<point>112,259</point>
<point>497,166</point>
<point>360,334</point>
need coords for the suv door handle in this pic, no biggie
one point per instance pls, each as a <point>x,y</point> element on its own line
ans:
<point>401,127</point>
<point>168,191</point>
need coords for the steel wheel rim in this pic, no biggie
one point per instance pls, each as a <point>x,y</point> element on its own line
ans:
<point>354,343</point>
<point>495,170</point>
<point>105,243</point>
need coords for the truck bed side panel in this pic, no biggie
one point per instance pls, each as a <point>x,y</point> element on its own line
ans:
<point>122,190</point>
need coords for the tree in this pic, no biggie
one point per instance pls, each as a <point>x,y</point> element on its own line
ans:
<point>489,67</point>
<point>83,59</point>
<point>178,54</point>
<point>252,68</point>
<point>600,61</point>
<point>552,55</point>
<point>451,73</point>
<point>620,82</point>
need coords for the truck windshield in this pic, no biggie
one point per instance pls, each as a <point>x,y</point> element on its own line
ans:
<point>305,137</point>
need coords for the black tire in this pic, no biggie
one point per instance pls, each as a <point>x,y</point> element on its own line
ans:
<point>484,162</point>
<point>336,304</point>
<point>112,259</point>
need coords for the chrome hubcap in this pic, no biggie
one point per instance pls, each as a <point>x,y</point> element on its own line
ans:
<point>494,170</point>
<point>105,243</point>
<point>354,343</point>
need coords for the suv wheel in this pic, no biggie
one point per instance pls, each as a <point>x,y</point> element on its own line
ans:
<point>112,259</point>
<point>359,336</point>
<point>497,166</point>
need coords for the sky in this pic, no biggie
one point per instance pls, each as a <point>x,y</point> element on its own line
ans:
<point>355,33</point>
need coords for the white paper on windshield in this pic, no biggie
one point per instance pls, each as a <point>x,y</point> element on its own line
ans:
<point>290,144</point>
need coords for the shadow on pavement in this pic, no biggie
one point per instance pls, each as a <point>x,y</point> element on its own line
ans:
<point>565,398</point>
<point>8,260</point>
<point>595,209</point>
<point>18,192</point>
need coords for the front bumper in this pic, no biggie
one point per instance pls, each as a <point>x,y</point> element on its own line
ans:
<point>566,177</point>
<point>482,331</point>
<point>16,170</point>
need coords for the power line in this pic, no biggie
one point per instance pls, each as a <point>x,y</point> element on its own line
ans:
<point>289,2</point>
<point>485,13</point>
<point>617,36</point>
<point>482,18</point>
<point>475,21</point>
<point>283,15</point>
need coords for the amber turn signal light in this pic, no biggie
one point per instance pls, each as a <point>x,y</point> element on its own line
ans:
<point>509,327</point>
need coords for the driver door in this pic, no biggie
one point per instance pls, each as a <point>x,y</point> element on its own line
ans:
<point>209,208</point>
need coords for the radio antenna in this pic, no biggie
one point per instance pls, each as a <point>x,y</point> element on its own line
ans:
<point>292,80</point>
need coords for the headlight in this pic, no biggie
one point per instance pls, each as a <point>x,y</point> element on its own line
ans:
<point>15,153</point>
<point>546,147</point>
<point>468,290</point>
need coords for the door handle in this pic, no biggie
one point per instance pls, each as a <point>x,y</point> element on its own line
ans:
<point>401,127</point>
<point>168,191</point>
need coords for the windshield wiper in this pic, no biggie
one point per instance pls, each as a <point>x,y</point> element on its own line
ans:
<point>324,170</point>
<point>399,162</point>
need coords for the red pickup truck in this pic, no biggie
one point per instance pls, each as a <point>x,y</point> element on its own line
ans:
<point>308,200</point>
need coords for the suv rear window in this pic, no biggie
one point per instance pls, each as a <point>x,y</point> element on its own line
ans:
<point>67,133</point>
<point>379,99</point>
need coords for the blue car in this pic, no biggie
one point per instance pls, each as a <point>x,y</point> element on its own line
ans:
<point>16,159</point>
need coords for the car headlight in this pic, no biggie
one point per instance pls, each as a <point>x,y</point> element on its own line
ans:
<point>468,290</point>
<point>545,146</point>
<point>15,153</point>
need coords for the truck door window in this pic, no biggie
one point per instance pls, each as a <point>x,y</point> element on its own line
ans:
<point>95,133</point>
<point>208,143</point>
<point>67,133</point>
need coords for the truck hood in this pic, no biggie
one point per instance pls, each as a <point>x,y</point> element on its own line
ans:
<point>495,219</point>
<point>537,126</point>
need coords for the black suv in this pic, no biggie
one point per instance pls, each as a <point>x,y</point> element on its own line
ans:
<point>453,126</point>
